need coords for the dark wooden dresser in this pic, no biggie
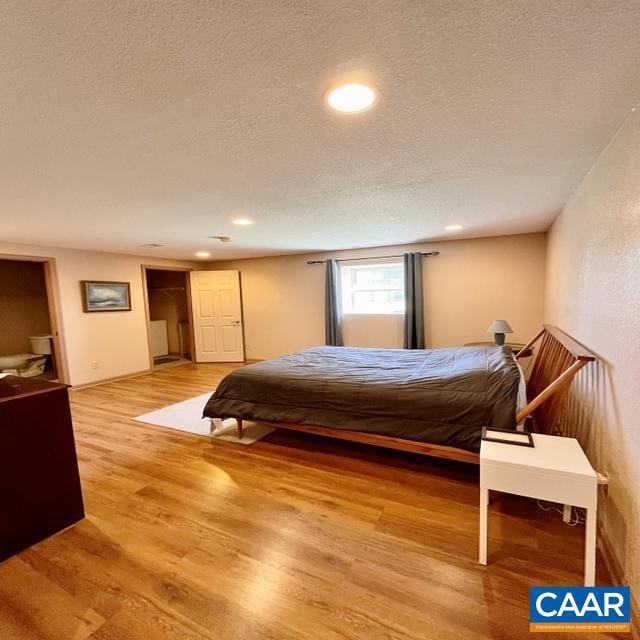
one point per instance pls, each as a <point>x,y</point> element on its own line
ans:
<point>40,490</point>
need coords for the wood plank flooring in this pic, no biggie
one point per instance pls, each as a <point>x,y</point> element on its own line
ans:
<point>293,538</point>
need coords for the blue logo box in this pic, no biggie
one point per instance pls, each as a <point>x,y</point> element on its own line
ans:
<point>579,608</point>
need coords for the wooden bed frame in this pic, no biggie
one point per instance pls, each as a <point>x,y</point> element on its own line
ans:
<point>558,360</point>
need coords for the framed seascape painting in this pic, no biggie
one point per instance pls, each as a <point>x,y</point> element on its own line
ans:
<point>105,296</point>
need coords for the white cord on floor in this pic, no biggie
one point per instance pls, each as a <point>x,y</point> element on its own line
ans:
<point>580,513</point>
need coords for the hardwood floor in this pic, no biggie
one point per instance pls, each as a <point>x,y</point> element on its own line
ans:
<point>294,537</point>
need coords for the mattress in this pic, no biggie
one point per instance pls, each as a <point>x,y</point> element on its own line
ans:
<point>439,396</point>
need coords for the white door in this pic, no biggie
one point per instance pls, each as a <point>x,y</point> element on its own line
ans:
<point>217,316</point>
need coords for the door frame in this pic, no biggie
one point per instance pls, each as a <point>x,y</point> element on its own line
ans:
<point>147,312</point>
<point>51,282</point>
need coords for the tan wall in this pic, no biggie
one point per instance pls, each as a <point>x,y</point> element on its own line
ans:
<point>24,310</point>
<point>593,293</point>
<point>116,341</point>
<point>470,283</point>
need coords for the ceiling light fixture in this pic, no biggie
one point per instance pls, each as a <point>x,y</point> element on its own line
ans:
<point>242,222</point>
<point>150,245</point>
<point>202,254</point>
<point>453,227</point>
<point>351,98</point>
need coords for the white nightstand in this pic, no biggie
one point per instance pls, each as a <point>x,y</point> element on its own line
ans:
<point>555,469</point>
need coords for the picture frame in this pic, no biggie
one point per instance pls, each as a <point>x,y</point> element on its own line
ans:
<point>105,295</point>
<point>507,436</point>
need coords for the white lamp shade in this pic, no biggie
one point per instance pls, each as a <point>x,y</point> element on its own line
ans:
<point>499,326</point>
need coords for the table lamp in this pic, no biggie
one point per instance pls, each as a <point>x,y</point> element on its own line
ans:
<point>499,328</point>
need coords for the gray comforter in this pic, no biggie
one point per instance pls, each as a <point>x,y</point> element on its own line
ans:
<point>440,396</point>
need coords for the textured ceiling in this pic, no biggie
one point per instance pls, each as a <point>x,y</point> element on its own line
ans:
<point>123,123</point>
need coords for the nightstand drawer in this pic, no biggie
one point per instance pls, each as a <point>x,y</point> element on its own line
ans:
<point>544,485</point>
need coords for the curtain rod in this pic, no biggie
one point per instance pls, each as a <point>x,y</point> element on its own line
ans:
<point>428,253</point>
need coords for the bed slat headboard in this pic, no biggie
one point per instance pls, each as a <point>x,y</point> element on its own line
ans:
<point>558,360</point>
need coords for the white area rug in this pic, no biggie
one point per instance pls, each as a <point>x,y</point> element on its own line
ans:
<point>187,416</point>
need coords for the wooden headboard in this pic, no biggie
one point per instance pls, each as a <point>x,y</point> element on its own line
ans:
<point>558,359</point>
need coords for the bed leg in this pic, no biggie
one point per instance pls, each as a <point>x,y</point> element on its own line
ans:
<point>240,429</point>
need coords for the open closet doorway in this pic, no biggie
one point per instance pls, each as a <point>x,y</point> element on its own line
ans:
<point>29,340</point>
<point>168,315</point>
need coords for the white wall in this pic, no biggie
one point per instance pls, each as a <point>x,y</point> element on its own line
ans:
<point>470,283</point>
<point>116,341</point>
<point>593,293</point>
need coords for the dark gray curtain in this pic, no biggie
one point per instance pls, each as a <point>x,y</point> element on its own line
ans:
<point>333,331</point>
<point>414,313</point>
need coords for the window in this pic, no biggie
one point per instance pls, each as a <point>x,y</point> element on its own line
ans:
<point>374,288</point>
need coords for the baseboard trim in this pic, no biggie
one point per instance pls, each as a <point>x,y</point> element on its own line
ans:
<point>144,372</point>
<point>618,577</point>
<point>97,383</point>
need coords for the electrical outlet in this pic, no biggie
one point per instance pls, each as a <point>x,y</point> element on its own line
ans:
<point>95,365</point>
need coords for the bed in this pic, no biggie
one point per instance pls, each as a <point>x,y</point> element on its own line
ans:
<point>432,401</point>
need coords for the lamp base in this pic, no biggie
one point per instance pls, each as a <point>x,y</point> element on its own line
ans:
<point>499,338</point>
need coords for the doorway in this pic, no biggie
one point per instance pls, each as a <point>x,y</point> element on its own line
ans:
<point>168,316</point>
<point>29,338</point>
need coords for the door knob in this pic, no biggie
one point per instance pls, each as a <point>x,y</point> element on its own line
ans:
<point>236,322</point>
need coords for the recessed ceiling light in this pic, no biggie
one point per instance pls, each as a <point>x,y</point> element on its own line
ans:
<point>453,227</point>
<point>351,98</point>
<point>242,222</point>
<point>202,254</point>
